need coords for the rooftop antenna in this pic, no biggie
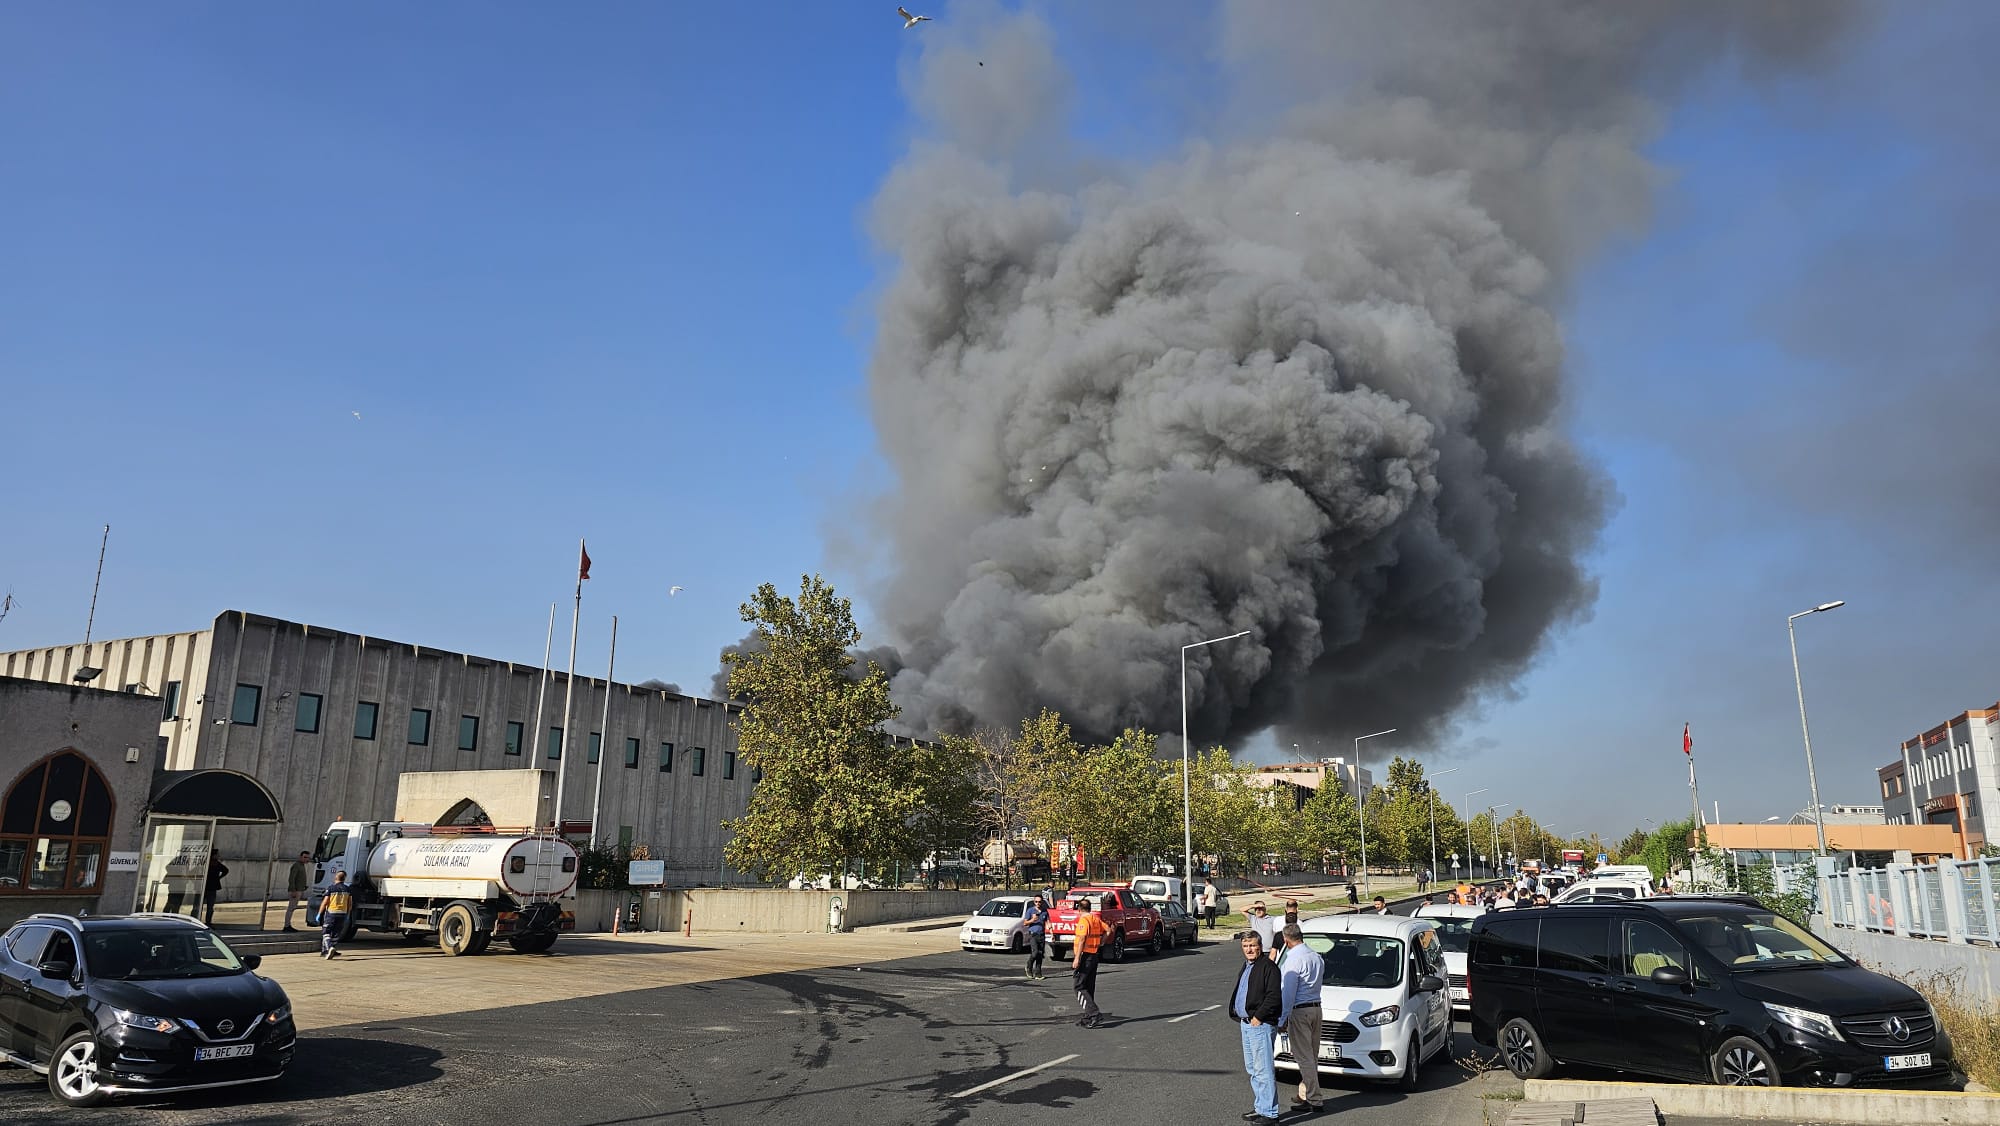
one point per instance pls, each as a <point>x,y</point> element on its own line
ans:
<point>86,674</point>
<point>6,604</point>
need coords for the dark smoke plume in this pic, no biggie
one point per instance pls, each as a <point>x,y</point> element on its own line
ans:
<point>1305,382</point>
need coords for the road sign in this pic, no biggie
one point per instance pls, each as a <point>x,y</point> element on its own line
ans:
<point>643,873</point>
<point>1602,859</point>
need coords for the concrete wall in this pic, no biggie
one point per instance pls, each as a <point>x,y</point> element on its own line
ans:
<point>172,668</point>
<point>511,798</point>
<point>1914,959</point>
<point>772,911</point>
<point>38,720</point>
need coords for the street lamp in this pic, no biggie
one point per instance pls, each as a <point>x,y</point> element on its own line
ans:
<point>1187,791</point>
<point>1434,821</point>
<point>1812,778</point>
<point>1468,830</point>
<point>1361,806</point>
<point>1493,824</point>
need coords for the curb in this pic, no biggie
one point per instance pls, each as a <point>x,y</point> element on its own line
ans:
<point>1789,1104</point>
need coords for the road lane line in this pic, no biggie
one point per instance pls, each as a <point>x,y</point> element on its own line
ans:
<point>1016,1075</point>
<point>1196,1013</point>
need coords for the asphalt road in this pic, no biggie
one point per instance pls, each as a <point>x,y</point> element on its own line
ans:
<point>939,1039</point>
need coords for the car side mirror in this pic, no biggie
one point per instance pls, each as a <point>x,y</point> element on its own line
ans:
<point>1430,983</point>
<point>252,961</point>
<point>61,971</point>
<point>1670,975</point>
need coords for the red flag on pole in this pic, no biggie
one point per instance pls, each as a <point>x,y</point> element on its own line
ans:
<point>583,564</point>
<point>1687,741</point>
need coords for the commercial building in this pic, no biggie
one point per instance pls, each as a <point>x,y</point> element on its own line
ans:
<point>258,732</point>
<point>1857,845</point>
<point>1299,781</point>
<point>1945,775</point>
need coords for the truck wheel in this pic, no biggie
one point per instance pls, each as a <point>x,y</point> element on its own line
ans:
<point>1116,951</point>
<point>457,930</point>
<point>531,943</point>
<point>480,942</point>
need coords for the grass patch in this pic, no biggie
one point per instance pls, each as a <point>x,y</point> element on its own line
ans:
<point>1240,920</point>
<point>1974,1030</point>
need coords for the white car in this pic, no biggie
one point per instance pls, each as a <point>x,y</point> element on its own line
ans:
<point>999,924</point>
<point>1383,1009</point>
<point>1601,889</point>
<point>1454,923</point>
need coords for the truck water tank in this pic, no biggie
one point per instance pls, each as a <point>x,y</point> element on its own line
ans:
<point>525,867</point>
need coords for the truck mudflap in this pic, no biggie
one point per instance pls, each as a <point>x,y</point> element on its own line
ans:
<point>546,917</point>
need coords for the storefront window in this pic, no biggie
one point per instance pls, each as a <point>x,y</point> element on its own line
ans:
<point>54,828</point>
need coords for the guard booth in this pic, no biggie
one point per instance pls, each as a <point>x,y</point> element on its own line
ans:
<point>182,816</point>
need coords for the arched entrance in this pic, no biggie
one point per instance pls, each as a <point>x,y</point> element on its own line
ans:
<point>181,819</point>
<point>467,814</point>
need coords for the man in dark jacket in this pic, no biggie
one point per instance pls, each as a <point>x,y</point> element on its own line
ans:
<point>1257,1005</point>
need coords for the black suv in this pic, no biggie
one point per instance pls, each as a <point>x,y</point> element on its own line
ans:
<point>124,1004</point>
<point>1719,990</point>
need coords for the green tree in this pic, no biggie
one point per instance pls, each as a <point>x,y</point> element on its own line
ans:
<point>1328,827</point>
<point>1629,848</point>
<point>950,814</point>
<point>1231,817</point>
<point>1112,802</point>
<point>835,787</point>
<point>1667,850</point>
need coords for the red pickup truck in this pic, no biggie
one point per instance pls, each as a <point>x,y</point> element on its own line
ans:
<point>1133,922</point>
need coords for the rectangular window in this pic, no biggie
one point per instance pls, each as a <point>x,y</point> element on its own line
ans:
<point>243,710</point>
<point>666,758</point>
<point>631,754</point>
<point>516,734</point>
<point>420,727</point>
<point>364,719</point>
<point>729,764</point>
<point>555,742</point>
<point>170,701</point>
<point>596,747</point>
<point>625,838</point>
<point>305,717</point>
<point>697,761</point>
<point>468,733</point>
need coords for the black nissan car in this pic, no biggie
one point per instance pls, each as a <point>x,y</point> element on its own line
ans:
<point>1719,990</point>
<point>140,1003</point>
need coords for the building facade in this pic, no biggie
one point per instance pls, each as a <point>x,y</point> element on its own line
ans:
<point>1945,776</point>
<point>327,721</point>
<point>1301,780</point>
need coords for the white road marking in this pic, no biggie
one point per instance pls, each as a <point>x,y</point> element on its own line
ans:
<point>1196,1013</point>
<point>1016,1075</point>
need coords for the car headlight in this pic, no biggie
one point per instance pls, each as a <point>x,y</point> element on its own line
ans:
<point>1387,1014</point>
<point>1805,1020</point>
<point>139,1020</point>
<point>282,1012</point>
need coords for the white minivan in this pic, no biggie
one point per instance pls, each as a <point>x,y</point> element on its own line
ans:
<point>1383,1009</point>
<point>1454,923</point>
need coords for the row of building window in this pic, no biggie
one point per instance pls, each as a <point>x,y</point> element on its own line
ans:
<point>246,706</point>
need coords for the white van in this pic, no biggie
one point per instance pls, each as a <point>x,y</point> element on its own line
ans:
<point>1164,889</point>
<point>1383,1008</point>
<point>1454,923</point>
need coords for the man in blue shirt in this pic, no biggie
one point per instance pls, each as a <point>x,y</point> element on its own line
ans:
<point>1303,972</point>
<point>1037,931</point>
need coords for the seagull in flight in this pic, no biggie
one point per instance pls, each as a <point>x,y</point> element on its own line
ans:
<point>673,590</point>
<point>356,414</point>
<point>910,21</point>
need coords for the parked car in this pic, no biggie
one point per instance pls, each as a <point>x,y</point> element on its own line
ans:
<point>826,881</point>
<point>1133,921</point>
<point>1719,989</point>
<point>121,1005</point>
<point>1383,1010</point>
<point>1454,930</point>
<point>1161,889</point>
<point>999,924</point>
<point>1179,927</point>
<point>1606,887</point>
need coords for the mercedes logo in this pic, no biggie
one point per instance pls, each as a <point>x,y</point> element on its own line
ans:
<point>1898,1029</point>
<point>228,1026</point>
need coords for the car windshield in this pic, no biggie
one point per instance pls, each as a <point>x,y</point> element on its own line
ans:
<point>139,955</point>
<point>1359,960</point>
<point>1455,934</point>
<point>1758,940</point>
<point>1002,908</point>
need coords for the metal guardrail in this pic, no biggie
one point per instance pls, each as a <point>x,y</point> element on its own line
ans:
<point>1950,901</point>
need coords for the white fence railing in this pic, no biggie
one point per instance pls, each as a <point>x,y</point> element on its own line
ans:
<point>1950,901</point>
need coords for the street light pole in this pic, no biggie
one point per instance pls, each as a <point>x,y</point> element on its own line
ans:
<point>1434,820</point>
<point>1361,807</point>
<point>1812,777</point>
<point>1493,826</point>
<point>1468,831</point>
<point>1187,791</point>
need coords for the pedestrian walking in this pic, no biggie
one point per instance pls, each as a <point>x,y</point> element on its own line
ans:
<point>1037,928</point>
<point>1266,928</point>
<point>333,912</point>
<point>1211,898</point>
<point>296,882</point>
<point>216,870</point>
<point>1301,973</point>
<point>1090,934</point>
<point>1257,1005</point>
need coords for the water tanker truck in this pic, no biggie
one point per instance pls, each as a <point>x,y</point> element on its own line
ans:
<point>459,888</point>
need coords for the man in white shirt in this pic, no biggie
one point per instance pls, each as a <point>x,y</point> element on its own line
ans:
<point>1299,988</point>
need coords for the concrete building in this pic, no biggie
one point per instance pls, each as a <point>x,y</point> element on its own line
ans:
<point>1859,845</point>
<point>1945,776</point>
<point>325,722</point>
<point>1301,780</point>
<point>1840,815</point>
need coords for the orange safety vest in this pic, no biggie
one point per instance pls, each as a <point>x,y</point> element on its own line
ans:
<point>1090,933</point>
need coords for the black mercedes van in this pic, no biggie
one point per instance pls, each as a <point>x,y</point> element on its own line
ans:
<point>1719,990</point>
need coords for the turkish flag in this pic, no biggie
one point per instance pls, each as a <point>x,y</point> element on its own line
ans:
<point>583,564</point>
<point>1687,741</point>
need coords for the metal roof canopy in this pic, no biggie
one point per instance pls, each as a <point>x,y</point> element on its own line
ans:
<point>224,795</point>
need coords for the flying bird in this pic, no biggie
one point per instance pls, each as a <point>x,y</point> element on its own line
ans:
<point>673,590</point>
<point>910,21</point>
<point>356,414</point>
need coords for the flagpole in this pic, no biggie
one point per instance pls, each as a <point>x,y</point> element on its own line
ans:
<point>604,735</point>
<point>569,687</point>
<point>542,693</point>
<point>1694,791</point>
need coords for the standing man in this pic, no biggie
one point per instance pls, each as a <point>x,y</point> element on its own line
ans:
<point>216,870</point>
<point>333,912</point>
<point>1379,907</point>
<point>1257,1004</point>
<point>296,882</point>
<point>1090,934</point>
<point>1266,928</point>
<point>1211,898</point>
<point>1301,971</point>
<point>1038,926</point>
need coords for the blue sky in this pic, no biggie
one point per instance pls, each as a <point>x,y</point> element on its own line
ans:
<point>605,273</point>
